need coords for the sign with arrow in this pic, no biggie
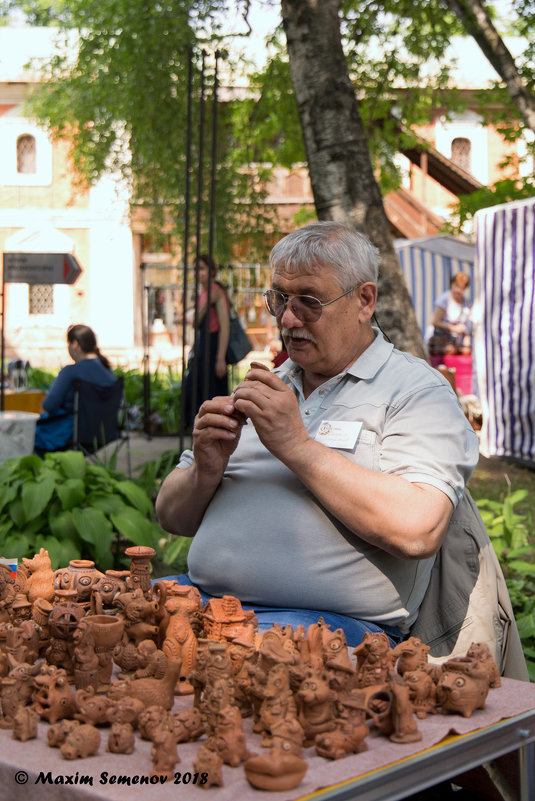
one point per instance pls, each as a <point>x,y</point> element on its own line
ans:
<point>41,268</point>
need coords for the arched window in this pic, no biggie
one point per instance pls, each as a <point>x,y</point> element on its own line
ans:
<point>26,155</point>
<point>461,153</point>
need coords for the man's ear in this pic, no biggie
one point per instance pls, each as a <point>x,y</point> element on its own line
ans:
<point>368,300</point>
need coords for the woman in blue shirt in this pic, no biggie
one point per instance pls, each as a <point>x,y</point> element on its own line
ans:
<point>55,426</point>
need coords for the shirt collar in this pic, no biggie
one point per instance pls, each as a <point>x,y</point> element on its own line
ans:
<point>365,367</point>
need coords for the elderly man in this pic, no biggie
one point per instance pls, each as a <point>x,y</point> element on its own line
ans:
<point>325,487</point>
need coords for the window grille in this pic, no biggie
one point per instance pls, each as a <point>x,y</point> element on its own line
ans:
<point>41,299</point>
<point>26,155</point>
<point>461,153</point>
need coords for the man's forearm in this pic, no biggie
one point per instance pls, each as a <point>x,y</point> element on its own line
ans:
<point>183,499</point>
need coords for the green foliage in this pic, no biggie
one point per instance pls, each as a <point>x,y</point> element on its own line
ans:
<point>40,379</point>
<point>502,191</point>
<point>76,510</point>
<point>164,388</point>
<point>508,531</point>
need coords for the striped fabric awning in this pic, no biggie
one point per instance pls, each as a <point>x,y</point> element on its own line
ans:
<point>504,330</point>
<point>428,264</point>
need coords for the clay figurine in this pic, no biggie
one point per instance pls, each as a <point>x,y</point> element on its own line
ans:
<point>125,710</point>
<point>25,724</point>
<point>283,767</point>
<point>79,577</point>
<point>54,698</point>
<point>411,654</point>
<point>140,567</point>
<point>151,719</point>
<point>224,722</point>
<point>150,691</point>
<point>374,659</point>
<point>480,653</point>
<point>350,732</point>
<point>57,733</point>
<point>462,687</point>
<point>121,738</point>
<point>164,754</point>
<point>83,741</point>
<point>278,702</point>
<point>187,725</point>
<point>92,708</point>
<point>405,728</point>
<point>209,763</point>
<point>40,581</point>
<point>422,692</point>
<point>317,709</point>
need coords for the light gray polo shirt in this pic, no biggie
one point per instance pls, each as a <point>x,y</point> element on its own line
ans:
<point>266,539</point>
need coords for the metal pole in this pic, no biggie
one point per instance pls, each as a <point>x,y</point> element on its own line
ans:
<point>194,393</point>
<point>186,248</point>
<point>146,355</point>
<point>206,383</point>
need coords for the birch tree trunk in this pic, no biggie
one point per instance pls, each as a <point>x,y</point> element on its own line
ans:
<point>341,172</point>
<point>477,22</point>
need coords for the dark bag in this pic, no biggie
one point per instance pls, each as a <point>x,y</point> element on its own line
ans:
<point>239,344</point>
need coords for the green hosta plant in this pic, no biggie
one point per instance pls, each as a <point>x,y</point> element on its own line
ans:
<point>508,531</point>
<point>73,509</point>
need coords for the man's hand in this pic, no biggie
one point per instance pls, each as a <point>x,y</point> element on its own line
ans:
<point>273,409</point>
<point>216,433</point>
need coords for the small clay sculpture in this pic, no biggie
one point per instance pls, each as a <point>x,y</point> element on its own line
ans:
<point>374,659</point>
<point>164,754</point>
<point>422,692</point>
<point>57,733</point>
<point>54,698</point>
<point>278,702</point>
<point>81,742</point>
<point>462,687</point>
<point>404,725</point>
<point>125,710</point>
<point>25,724</point>
<point>152,662</point>
<point>40,581</point>
<point>411,654</point>
<point>140,567</point>
<point>121,738</point>
<point>187,725</point>
<point>317,709</point>
<point>150,691</point>
<point>480,653</point>
<point>79,578</point>
<point>224,722</point>
<point>151,719</point>
<point>350,732</point>
<point>209,764</point>
<point>283,767</point>
<point>92,708</point>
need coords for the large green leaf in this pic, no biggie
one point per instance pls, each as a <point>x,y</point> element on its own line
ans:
<point>35,497</point>
<point>16,512</point>
<point>92,526</point>
<point>16,545</point>
<point>7,494</point>
<point>60,551</point>
<point>136,496</point>
<point>71,493</point>
<point>106,502</point>
<point>72,463</point>
<point>62,525</point>
<point>135,527</point>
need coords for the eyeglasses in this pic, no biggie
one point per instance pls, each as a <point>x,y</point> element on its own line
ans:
<point>305,307</point>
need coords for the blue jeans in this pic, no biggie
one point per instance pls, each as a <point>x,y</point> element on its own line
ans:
<point>353,629</point>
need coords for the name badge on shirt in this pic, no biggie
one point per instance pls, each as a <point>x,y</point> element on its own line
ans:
<point>339,433</point>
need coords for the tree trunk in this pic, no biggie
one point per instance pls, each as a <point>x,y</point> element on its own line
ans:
<point>478,24</point>
<point>340,169</point>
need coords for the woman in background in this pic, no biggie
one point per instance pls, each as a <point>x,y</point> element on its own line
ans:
<point>218,336</point>
<point>451,324</point>
<point>55,426</point>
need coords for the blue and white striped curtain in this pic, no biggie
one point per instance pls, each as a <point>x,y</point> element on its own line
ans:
<point>505,331</point>
<point>427,275</point>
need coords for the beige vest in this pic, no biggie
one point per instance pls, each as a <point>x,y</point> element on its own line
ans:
<point>467,599</point>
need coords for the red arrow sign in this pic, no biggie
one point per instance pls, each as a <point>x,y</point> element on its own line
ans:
<point>40,268</point>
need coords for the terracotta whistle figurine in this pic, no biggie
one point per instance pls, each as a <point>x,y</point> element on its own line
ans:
<point>209,763</point>
<point>121,738</point>
<point>317,709</point>
<point>405,727</point>
<point>164,754</point>
<point>462,687</point>
<point>283,767</point>
<point>40,582</point>
<point>83,741</point>
<point>25,724</point>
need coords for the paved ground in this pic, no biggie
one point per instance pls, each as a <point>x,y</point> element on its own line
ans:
<point>142,449</point>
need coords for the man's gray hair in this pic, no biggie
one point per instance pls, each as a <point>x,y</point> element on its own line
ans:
<point>311,249</point>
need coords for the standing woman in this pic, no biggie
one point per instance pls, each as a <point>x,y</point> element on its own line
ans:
<point>55,426</point>
<point>218,336</point>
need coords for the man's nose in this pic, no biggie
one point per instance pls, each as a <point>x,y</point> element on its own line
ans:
<point>289,319</point>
